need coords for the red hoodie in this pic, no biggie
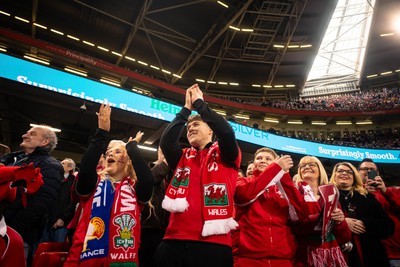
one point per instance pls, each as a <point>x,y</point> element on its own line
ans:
<point>390,201</point>
<point>263,215</point>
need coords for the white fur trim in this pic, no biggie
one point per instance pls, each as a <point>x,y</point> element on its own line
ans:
<point>3,227</point>
<point>274,181</point>
<point>292,211</point>
<point>219,227</point>
<point>175,205</point>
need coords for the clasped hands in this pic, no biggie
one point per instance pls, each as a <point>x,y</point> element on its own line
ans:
<point>192,94</point>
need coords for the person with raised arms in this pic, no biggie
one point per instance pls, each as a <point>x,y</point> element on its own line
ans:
<point>108,232</point>
<point>200,195</point>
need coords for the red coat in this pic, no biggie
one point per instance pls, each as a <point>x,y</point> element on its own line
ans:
<point>11,247</point>
<point>263,214</point>
<point>308,237</point>
<point>390,201</point>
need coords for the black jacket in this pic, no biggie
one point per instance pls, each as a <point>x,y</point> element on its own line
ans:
<point>172,149</point>
<point>158,218</point>
<point>378,226</point>
<point>29,221</point>
<point>64,207</point>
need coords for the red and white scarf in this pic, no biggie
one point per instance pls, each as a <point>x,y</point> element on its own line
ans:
<point>217,192</point>
<point>113,232</point>
<point>328,254</point>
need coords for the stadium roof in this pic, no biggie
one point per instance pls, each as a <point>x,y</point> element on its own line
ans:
<point>230,48</point>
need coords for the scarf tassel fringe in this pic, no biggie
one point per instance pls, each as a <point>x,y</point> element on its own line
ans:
<point>175,205</point>
<point>219,227</point>
<point>326,257</point>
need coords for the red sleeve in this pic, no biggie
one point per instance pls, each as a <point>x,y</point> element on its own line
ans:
<point>7,174</point>
<point>306,227</point>
<point>12,249</point>
<point>295,198</point>
<point>248,189</point>
<point>392,195</point>
<point>342,233</point>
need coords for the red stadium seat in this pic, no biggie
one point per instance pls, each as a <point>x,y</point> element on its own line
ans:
<point>50,259</point>
<point>50,253</point>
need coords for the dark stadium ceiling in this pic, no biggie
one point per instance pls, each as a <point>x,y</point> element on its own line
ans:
<point>189,38</point>
<point>198,39</point>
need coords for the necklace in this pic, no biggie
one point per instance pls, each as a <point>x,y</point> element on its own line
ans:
<point>345,194</point>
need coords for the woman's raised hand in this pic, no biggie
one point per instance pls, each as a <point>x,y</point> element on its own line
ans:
<point>137,138</point>
<point>104,117</point>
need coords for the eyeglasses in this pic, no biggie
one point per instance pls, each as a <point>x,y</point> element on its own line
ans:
<point>365,169</point>
<point>341,171</point>
<point>311,165</point>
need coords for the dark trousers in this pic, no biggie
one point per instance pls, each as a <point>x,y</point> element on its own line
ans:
<point>150,239</point>
<point>181,253</point>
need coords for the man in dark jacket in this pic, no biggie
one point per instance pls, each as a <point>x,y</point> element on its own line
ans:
<point>37,144</point>
<point>63,209</point>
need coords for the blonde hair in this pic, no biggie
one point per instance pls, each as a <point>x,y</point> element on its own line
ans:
<point>129,170</point>
<point>323,177</point>
<point>267,150</point>
<point>357,183</point>
<point>152,208</point>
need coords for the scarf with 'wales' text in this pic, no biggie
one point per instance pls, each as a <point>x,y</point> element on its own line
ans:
<point>113,232</point>
<point>217,191</point>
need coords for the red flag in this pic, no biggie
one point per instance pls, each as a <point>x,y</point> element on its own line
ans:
<point>330,199</point>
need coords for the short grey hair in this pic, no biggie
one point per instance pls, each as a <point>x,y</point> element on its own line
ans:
<point>71,163</point>
<point>51,136</point>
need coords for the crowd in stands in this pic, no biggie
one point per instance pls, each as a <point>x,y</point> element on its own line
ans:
<point>191,207</point>
<point>371,140</point>
<point>367,140</point>
<point>365,100</point>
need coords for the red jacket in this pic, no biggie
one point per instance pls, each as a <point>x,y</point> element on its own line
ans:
<point>11,247</point>
<point>263,215</point>
<point>308,237</point>
<point>390,201</point>
<point>189,224</point>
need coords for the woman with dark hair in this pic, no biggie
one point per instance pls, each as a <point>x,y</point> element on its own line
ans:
<point>367,220</point>
<point>108,232</point>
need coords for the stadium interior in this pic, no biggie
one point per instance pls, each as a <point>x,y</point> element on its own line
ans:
<point>241,53</point>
